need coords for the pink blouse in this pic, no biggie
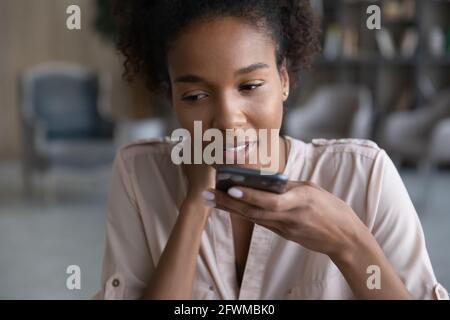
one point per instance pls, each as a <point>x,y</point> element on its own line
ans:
<point>147,189</point>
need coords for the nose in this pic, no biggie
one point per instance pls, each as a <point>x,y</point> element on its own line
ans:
<point>228,113</point>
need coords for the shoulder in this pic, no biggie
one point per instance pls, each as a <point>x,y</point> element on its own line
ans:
<point>144,154</point>
<point>145,166</point>
<point>153,147</point>
<point>358,147</point>
<point>329,156</point>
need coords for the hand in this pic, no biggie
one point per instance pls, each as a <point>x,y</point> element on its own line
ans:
<point>305,213</point>
<point>319,221</point>
<point>200,177</point>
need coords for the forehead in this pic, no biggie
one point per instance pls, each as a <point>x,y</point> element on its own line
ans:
<point>219,45</point>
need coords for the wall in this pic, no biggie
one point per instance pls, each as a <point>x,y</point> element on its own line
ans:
<point>33,32</point>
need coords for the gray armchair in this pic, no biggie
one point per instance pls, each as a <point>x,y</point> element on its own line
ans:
<point>334,111</point>
<point>63,120</point>
<point>439,150</point>
<point>407,134</point>
<point>421,136</point>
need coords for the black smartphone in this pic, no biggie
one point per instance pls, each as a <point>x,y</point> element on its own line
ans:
<point>229,176</point>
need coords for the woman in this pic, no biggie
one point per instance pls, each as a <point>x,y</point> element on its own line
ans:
<point>344,229</point>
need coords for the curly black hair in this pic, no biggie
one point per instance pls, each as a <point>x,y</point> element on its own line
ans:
<point>146,28</point>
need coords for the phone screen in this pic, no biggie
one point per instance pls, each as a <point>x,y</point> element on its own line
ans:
<point>228,176</point>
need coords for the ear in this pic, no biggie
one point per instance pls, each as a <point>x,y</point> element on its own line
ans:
<point>284,76</point>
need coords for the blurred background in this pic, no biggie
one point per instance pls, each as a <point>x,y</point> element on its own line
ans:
<point>64,110</point>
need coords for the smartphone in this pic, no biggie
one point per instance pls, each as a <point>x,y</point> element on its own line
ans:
<point>229,176</point>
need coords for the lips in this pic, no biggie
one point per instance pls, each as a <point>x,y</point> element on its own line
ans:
<point>241,151</point>
<point>237,148</point>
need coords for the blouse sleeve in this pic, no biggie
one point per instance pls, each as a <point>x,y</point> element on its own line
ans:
<point>127,262</point>
<point>397,228</point>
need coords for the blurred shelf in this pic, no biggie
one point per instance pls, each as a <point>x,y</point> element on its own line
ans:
<point>381,60</point>
<point>369,60</point>
<point>357,53</point>
<point>436,60</point>
<point>399,22</point>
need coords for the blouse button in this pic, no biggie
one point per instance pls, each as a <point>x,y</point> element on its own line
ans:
<point>211,287</point>
<point>116,283</point>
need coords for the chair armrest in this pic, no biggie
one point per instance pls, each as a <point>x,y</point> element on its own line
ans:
<point>409,124</point>
<point>440,142</point>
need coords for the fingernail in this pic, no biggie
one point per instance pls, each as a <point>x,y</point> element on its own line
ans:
<point>235,193</point>
<point>209,203</point>
<point>208,195</point>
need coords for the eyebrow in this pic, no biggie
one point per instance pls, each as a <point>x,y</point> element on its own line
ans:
<point>194,78</point>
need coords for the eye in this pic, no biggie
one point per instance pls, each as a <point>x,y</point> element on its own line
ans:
<point>194,97</point>
<point>251,86</point>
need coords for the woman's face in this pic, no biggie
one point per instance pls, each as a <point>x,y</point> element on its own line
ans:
<point>223,73</point>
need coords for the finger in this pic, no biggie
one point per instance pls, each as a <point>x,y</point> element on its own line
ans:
<point>292,184</point>
<point>274,226</point>
<point>263,199</point>
<point>304,192</point>
<point>306,183</point>
<point>246,209</point>
<point>297,195</point>
<point>231,211</point>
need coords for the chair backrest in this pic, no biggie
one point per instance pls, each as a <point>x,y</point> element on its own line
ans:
<point>362,122</point>
<point>64,99</point>
<point>334,111</point>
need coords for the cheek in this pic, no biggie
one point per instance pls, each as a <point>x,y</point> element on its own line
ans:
<point>186,115</point>
<point>267,111</point>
